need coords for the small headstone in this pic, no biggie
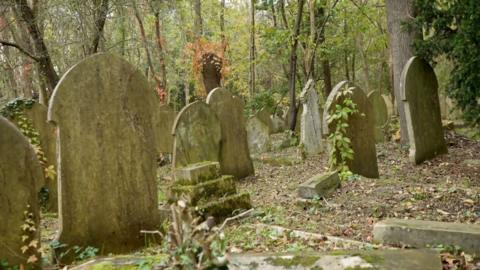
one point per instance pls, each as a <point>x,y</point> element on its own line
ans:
<point>420,234</point>
<point>310,132</point>
<point>419,90</point>
<point>20,178</point>
<point>258,136</point>
<point>106,166</point>
<point>234,154</point>
<point>163,123</point>
<point>360,130</point>
<point>380,114</point>
<point>197,135</point>
<point>264,116</point>
<point>320,185</point>
<point>278,124</point>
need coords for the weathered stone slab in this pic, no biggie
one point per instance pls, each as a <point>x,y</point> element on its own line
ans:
<point>20,179</point>
<point>419,233</point>
<point>419,91</point>
<point>163,123</point>
<point>320,185</point>
<point>278,124</point>
<point>258,136</point>
<point>360,130</point>
<point>234,153</point>
<point>264,116</point>
<point>311,126</point>
<point>380,114</point>
<point>197,135</point>
<point>338,260</point>
<point>215,188</point>
<point>197,172</point>
<point>225,207</point>
<point>106,166</point>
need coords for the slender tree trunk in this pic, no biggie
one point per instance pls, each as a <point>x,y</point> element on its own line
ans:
<point>45,62</point>
<point>309,55</point>
<point>198,27</point>
<point>281,4</point>
<point>161,52</point>
<point>327,77</point>
<point>293,68</point>
<point>251,79</point>
<point>401,41</point>
<point>5,50</point>
<point>345,56</point>
<point>274,14</point>
<point>101,11</point>
<point>353,65</point>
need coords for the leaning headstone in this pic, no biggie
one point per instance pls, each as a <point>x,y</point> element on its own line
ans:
<point>419,90</point>
<point>422,233</point>
<point>380,114</point>
<point>20,176</point>
<point>310,132</point>
<point>320,185</point>
<point>106,165</point>
<point>234,154</point>
<point>264,116</point>
<point>163,122</point>
<point>257,136</point>
<point>360,130</point>
<point>197,135</point>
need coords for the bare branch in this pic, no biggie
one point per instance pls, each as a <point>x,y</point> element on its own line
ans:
<point>18,47</point>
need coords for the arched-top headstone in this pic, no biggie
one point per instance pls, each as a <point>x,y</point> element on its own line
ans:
<point>419,90</point>
<point>380,114</point>
<point>197,135</point>
<point>163,123</point>
<point>311,127</point>
<point>38,115</point>
<point>360,130</point>
<point>328,104</point>
<point>234,154</point>
<point>106,148</point>
<point>20,178</point>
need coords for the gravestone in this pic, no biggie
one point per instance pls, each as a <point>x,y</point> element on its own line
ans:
<point>234,154</point>
<point>197,135</point>
<point>310,132</point>
<point>38,114</point>
<point>20,178</point>
<point>419,91</point>
<point>264,116</point>
<point>258,136</point>
<point>106,166</point>
<point>163,122</point>
<point>390,108</point>
<point>360,130</point>
<point>380,114</point>
<point>278,123</point>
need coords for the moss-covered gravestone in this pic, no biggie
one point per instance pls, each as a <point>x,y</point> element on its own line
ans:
<point>20,176</point>
<point>234,154</point>
<point>163,122</point>
<point>380,114</point>
<point>106,148</point>
<point>419,90</point>
<point>258,136</point>
<point>197,135</point>
<point>360,129</point>
<point>311,127</point>
<point>264,116</point>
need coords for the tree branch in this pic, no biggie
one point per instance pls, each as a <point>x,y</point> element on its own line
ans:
<point>18,47</point>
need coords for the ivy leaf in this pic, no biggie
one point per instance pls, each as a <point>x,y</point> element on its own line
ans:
<point>32,259</point>
<point>24,249</point>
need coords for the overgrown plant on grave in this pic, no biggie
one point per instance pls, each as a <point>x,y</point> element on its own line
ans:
<point>340,145</point>
<point>15,111</point>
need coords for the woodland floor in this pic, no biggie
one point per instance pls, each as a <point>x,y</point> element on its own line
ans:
<point>446,188</point>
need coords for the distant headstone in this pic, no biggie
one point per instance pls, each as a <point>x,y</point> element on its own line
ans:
<point>278,124</point>
<point>419,90</point>
<point>106,166</point>
<point>380,114</point>
<point>38,114</point>
<point>360,130</point>
<point>163,123</point>
<point>197,135</point>
<point>20,176</point>
<point>234,154</point>
<point>258,136</point>
<point>311,127</point>
<point>390,108</point>
<point>264,116</point>
<point>321,185</point>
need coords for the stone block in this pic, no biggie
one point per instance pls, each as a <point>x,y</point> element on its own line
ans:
<point>419,233</point>
<point>320,185</point>
<point>225,207</point>
<point>216,188</point>
<point>198,172</point>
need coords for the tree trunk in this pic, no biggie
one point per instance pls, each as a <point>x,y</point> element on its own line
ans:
<point>292,116</point>
<point>281,4</point>
<point>9,70</point>
<point>161,54</point>
<point>401,41</point>
<point>327,77</point>
<point>251,79</point>
<point>198,27</point>
<point>101,11</point>
<point>46,68</point>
